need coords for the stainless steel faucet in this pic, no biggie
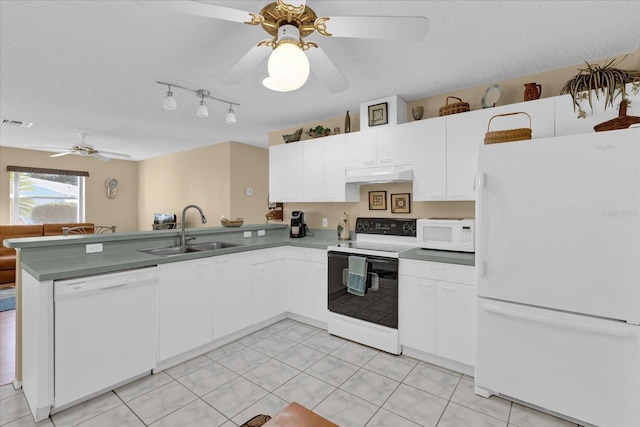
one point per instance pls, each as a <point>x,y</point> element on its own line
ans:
<point>183,240</point>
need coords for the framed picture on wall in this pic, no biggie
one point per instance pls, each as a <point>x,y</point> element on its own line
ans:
<point>401,203</point>
<point>378,114</point>
<point>377,200</point>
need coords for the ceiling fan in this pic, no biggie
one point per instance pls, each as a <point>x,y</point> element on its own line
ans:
<point>84,149</point>
<point>289,23</point>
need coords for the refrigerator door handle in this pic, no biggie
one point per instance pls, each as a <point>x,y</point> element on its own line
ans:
<point>611,331</point>
<point>480,214</point>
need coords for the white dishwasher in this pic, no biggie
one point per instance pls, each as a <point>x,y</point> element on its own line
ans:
<point>105,329</point>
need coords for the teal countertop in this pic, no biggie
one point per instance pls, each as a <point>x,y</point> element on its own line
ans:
<point>64,257</point>
<point>463,258</point>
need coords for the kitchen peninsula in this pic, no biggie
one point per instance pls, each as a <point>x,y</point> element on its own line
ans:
<point>216,296</point>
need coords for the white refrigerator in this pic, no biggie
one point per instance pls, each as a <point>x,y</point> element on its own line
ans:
<point>558,261</point>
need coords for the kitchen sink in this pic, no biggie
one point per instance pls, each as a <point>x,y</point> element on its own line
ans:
<point>212,246</point>
<point>179,250</point>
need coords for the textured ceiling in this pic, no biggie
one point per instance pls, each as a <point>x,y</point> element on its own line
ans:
<point>91,66</point>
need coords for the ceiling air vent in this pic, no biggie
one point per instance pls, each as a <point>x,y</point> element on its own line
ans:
<point>17,123</point>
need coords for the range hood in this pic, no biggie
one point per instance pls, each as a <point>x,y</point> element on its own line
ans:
<point>379,175</point>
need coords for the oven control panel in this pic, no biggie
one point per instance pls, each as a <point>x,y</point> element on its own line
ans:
<point>388,226</point>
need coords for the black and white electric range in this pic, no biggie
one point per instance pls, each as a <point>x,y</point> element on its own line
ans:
<point>370,319</point>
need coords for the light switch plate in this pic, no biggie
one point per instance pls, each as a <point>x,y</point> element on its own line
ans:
<point>325,222</point>
<point>247,234</point>
<point>93,248</point>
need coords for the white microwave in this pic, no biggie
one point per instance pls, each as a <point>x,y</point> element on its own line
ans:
<point>446,234</point>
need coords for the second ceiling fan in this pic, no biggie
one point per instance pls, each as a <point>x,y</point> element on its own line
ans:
<point>291,57</point>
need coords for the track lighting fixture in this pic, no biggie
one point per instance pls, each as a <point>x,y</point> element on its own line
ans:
<point>202,110</point>
<point>230,119</point>
<point>170,101</point>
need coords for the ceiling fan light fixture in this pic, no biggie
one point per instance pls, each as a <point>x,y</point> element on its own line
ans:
<point>169,101</point>
<point>230,118</point>
<point>202,110</point>
<point>288,66</point>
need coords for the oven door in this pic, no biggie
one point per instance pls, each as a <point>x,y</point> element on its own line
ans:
<point>379,305</point>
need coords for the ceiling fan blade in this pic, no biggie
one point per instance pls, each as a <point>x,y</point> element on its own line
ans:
<point>246,64</point>
<point>326,71</point>
<point>100,157</point>
<point>203,9</point>
<point>410,28</point>
<point>61,154</point>
<point>111,153</point>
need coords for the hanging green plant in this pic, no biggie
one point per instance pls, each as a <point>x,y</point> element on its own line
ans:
<point>605,80</point>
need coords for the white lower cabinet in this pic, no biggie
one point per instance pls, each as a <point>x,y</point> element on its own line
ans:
<point>417,313</point>
<point>437,309</point>
<point>269,284</point>
<point>232,293</point>
<point>185,310</point>
<point>307,283</point>
<point>456,322</point>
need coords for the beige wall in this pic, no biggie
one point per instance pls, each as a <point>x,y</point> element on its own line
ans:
<point>121,211</point>
<point>212,177</point>
<point>249,169</point>
<point>314,212</point>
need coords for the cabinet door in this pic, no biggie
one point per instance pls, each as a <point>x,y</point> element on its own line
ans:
<point>313,170</point>
<point>232,293</point>
<point>269,290</point>
<point>308,289</point>
<point>465,134</point>
<point>430,160</point>
<point>360,149</point>
<point>277,173</point>
<point>394,144</point>
<point>185,310</point>
<point>334,186</point>
<point>456,322</point>
<point>417,313</point>
<point>541,112</point>
<point>294,173</point>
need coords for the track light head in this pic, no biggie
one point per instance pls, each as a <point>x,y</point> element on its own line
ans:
<point>169,101</point>
<point>202,110</point>
<point>230,119</point>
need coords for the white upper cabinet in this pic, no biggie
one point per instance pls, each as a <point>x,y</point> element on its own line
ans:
<point>324,178</point>
<point>395,143</point>
<point>387,146</point>
<point>286,173</point>
<point>465,134</point>
<point>313,170</point>
<point>429,147</point>
<point>360,149</point>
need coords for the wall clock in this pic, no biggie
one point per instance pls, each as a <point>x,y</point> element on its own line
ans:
<point>111,184</point>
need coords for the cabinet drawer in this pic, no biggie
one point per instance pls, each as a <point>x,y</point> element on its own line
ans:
<point>266,255</point>
<point>307,254</point>
<point>439,271</point>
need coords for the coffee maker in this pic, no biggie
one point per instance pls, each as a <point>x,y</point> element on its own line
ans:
<point>298,227</point>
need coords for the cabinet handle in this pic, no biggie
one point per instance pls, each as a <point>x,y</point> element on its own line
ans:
<point>369,162</point>
<point>438,197</point>
<point>604,330</point>
<point>458,196</point>
<point>385,160</point>
<point>329,199</point>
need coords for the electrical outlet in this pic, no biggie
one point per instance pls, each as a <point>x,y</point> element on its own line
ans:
<point>247,234</point>
<point>93,248</point>
<point>261,233</point>
<point>325,222</point>
<point>248,191</point>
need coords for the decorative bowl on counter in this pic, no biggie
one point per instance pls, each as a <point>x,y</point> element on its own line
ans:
<point>231,222</point>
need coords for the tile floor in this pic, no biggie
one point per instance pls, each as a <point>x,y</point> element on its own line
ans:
<point>350,384</point>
